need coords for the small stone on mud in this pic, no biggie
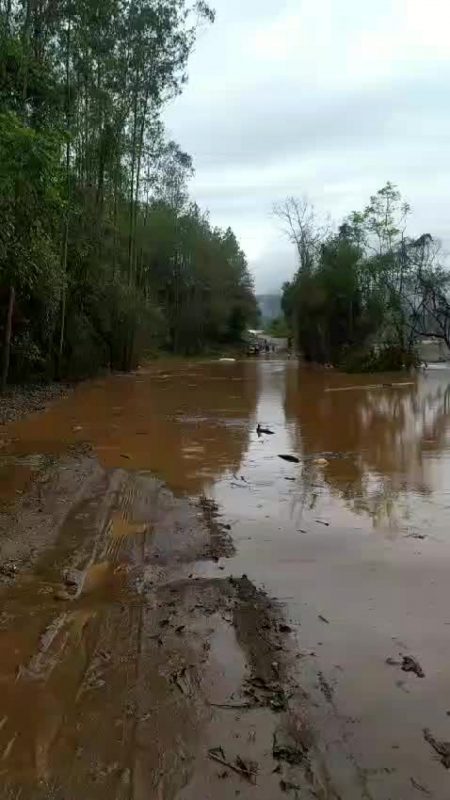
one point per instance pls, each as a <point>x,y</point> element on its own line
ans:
<point>70,578</point>
<point>8,569</point>
<point>283,628</point>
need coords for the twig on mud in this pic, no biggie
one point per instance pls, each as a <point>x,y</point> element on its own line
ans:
<point>420,788</point>
<point>240,770</point>
<point>441,748</point>
<point>231,705</point>
<point>180,680</point>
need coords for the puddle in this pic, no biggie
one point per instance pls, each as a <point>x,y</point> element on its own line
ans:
<point>352,540</point>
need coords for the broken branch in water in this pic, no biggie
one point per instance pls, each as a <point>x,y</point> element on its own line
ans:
<point>260,430</point>
<point>370,386</point>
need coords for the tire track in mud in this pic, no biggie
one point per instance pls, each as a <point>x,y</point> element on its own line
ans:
<point>124,673</point>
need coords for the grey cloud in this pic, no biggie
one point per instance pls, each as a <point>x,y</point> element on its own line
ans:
<point>268,127</point>
<point>259,131</point>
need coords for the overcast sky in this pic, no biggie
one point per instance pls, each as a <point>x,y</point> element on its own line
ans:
<point>328,98</point>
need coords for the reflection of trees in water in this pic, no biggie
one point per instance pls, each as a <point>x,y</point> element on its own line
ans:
<point>374,439</point>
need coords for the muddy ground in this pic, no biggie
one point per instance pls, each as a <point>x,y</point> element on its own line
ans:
<point>122,673</point>
<point>186,615</point>
<point>18,401</point>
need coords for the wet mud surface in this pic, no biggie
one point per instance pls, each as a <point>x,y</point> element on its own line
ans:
<point>186,615</point>
<point>18,401</point>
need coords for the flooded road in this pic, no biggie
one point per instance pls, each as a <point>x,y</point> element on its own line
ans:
<point>187,615</point>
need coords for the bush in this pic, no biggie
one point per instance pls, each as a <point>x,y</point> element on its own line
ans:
<point>387,359</point>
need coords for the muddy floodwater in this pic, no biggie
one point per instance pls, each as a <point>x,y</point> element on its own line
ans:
<point>185,614</point>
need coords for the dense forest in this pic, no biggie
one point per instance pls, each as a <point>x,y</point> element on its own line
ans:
<point>366,292</point>
<point>102,255</point>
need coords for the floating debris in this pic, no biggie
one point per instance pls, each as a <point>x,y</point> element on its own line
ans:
<point>291,459</point>
<point>260,430</point>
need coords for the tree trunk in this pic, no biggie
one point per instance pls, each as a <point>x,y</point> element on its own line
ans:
<point>65,243</point>
<point>7,339</point>
<point>25,39</point>
<point>132,191</point>
<point>8,16</point>
<point>62,327</point>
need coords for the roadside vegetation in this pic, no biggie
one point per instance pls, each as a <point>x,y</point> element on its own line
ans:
<point>278,327</point>
<point>364,293</point>
<point>103,257</point>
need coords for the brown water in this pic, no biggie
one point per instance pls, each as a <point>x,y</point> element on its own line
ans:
<point>353,540</point>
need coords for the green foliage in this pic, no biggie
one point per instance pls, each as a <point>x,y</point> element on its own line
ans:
<point>279,328</point>
<point>368,291</point>
<point>107,257</point>
<point>384,359</point>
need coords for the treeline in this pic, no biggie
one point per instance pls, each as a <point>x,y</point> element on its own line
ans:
<point>365,293</point>
<point>102,255</point>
